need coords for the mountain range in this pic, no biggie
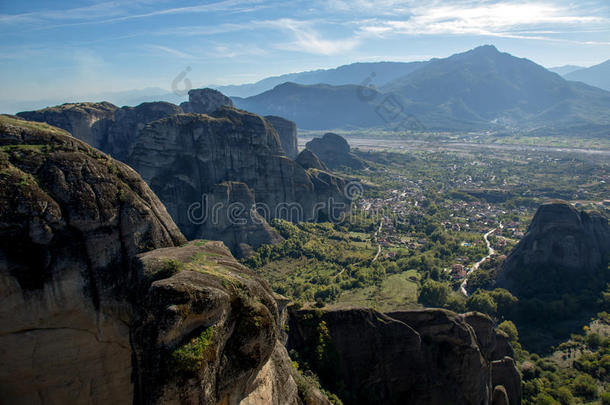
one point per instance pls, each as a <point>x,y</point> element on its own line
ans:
<point>598,75</point>
<point>355,73</point>
<point>479,89</point>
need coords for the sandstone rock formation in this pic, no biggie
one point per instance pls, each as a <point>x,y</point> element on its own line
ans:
<point>88,122</point>
<point>232,219</point>
<point>308,160</point>
<point>224,146</point>
<point>416,357</point>
<point>205,101</point>
<point>104,302</point>
<point>71,219</point>
<point>103,125</point>
<point>334,151</point>
<point>287,130</point>
<point>127,123</point>
<point>563,250</point>
<point>183,157</point>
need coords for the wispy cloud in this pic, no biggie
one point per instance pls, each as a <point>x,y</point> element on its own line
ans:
<point>485,18</point>
<point>307,39</point>
<point>171,51</point>
<point>117,11</point>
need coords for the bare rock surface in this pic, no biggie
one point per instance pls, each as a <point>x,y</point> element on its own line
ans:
<point>103,301</point>
<point>561,244</point>
<point>427,356</point>
<point>184,157</point>
<point>205,101</point>
<point>287,131</point>
<point>334,151</point>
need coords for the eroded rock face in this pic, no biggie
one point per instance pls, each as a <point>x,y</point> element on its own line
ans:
<point>205,101</point>
<point>287,130</point>
<point>183,157</point>
<point>127,123</point>
<point>308,160</point>
<point>334,151</point>
<point>71,218</point>
<point>416,357</point>
<point>103,125</point>
<point>103,301</point>
<point>233,220</point>
<point>88,122</point>
<point>561,244</point>
<point>208,326</point>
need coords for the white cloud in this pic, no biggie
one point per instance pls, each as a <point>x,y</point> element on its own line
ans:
<point>171,51</point>
<point>483,18</point>
<point>307,39</point>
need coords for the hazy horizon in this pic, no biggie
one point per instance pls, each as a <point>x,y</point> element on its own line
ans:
<point>73,48</point>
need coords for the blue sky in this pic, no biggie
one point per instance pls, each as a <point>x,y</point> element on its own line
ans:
<point>66,48</point>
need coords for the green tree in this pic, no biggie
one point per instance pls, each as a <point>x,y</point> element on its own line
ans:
<point>510,329</point>
<point>434,293</point>
<point>585,386</point>
<point>482,302</point>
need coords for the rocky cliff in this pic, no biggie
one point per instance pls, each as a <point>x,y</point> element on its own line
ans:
<point>563,250</point>
<point>334,151</point>
<point>287,130</point>
<point>414,357</point>
<point>205,101</point>
<point>104,302</point>
<point>184,157</point>
<point>309,160</point>
<point>103,125</point>
<point>193,166</point>
<point>86,121</point>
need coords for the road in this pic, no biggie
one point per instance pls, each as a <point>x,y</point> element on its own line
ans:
<point>490,252</point>
<point>378,244</point>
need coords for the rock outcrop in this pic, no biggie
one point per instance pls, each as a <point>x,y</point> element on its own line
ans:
<point>71,219</point>
<point>287,130</point>
<point>183,157</point>
<point>205,101</point>
<point>88,122</point>
<point>308,160</point>
<point>416,357</point>
<point>103,301</point>
<point>103,125</point>
<point>127,123</point>
<point>563,250</point>
<point>334,151</point>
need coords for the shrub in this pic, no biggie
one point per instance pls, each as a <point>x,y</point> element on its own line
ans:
<point>188,358</point>
<point>482,302</point>
<point>510,329</point>
<point>434,293</point>
<point>585,386</point>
